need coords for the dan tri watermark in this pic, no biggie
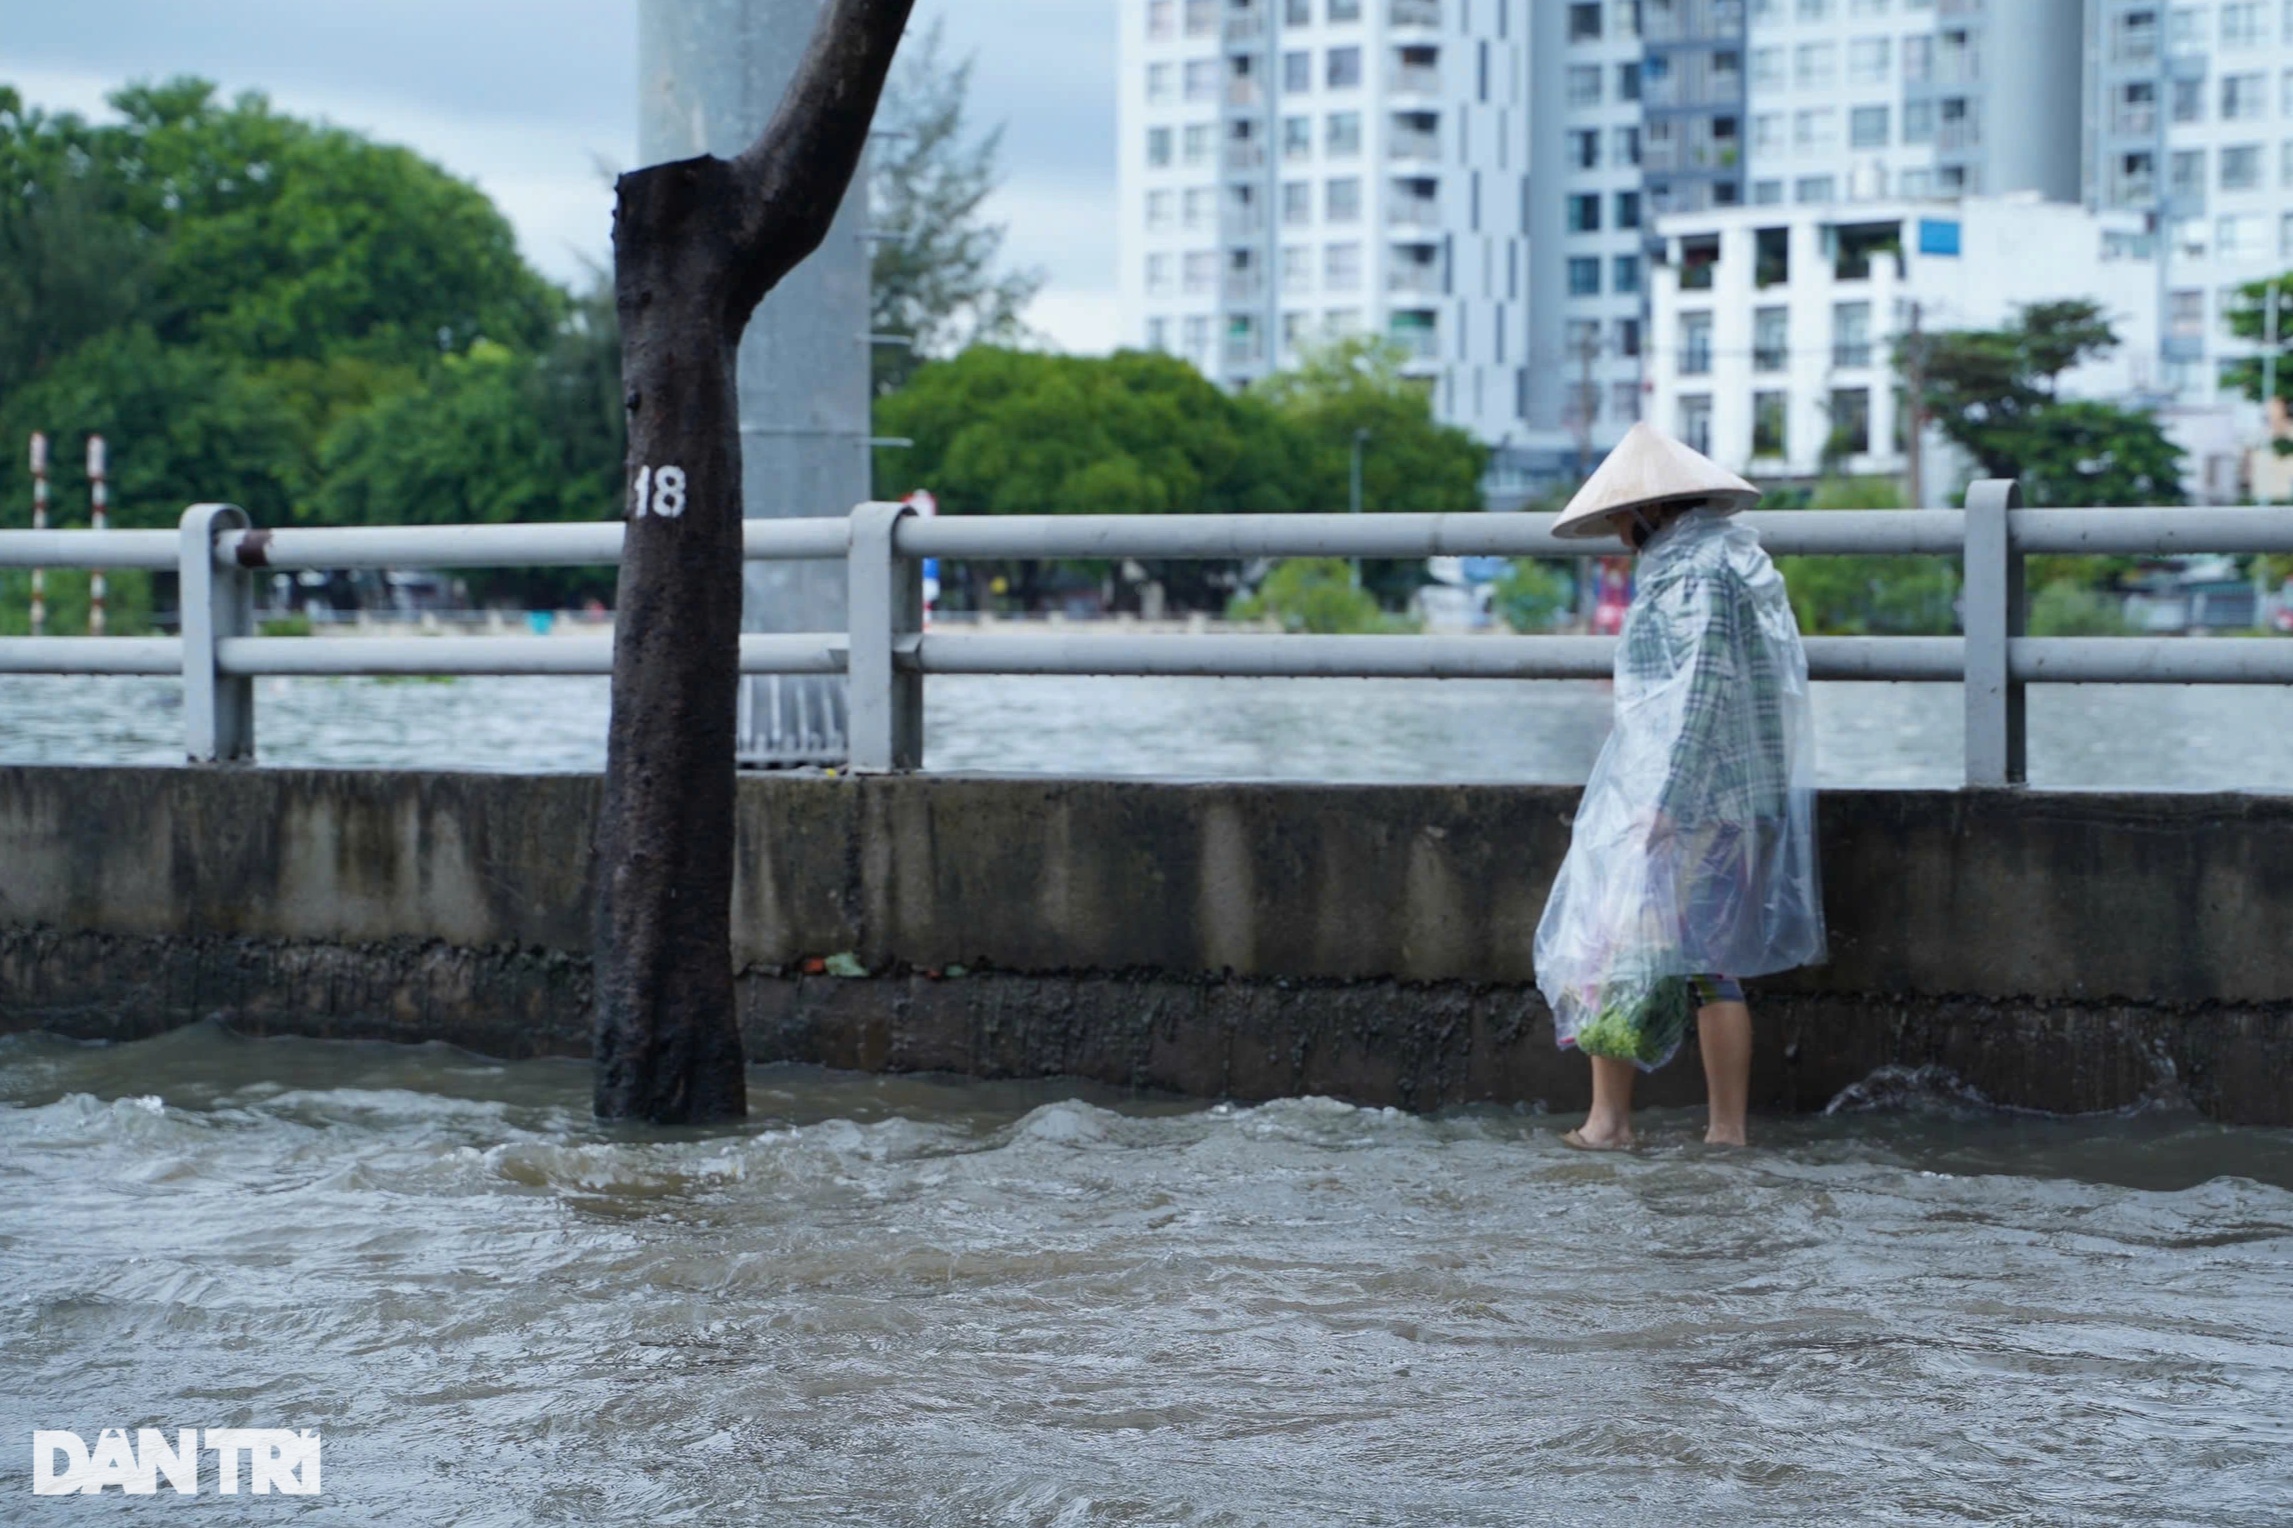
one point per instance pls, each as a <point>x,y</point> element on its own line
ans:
<point>275,1459</point>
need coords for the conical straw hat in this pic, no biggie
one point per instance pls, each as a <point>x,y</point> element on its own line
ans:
<point>1650,467</point>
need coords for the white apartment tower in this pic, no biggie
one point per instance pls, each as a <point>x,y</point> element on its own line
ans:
<point>1293,170</point>
<point>2189,114</point>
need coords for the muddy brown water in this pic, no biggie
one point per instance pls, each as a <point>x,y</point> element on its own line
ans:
<point>928,1300</point>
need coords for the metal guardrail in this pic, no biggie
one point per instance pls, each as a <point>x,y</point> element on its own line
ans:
<point>886,653</point>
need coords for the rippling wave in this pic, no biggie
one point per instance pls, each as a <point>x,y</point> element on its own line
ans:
<point>937,1300</point>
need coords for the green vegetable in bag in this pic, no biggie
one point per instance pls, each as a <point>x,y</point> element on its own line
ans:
<point>1640,1021</point>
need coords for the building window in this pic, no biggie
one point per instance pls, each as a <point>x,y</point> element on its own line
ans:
<point>1202,75</point>
<point>1201,272</point>
<point>1201,17</point>
<point>1771,343</point>
<point>1199,206</point>
<point>1342,11</point>
<point>1868,59</point>
<point>1158,147</point>
<point>1161,78</point>
<point>1297,268</point>
<point>1297,13</point>
<point>1768,411</point>
<point>1624,274</point>
<point>1341,267</point>
<point>1158,334</point>
<point>1918,60</point>
<point>1628,81</point>
<point>1814,64</point>
<point>1583,85</point>
<point>1766,193</point>
<point>1298,71</point>
<point>1297,138</point>
<point>2241,167</point>
<point>2285,164</point>
<point>2240,237</point>
<point>1584,148</point>
<point>1583,340</point>
<point>2185,314</point>
<point>1158,210</point>
<point>2244,97</point>
<point>1296,334</point>
<point>1341,200</point>
<point>1867,127</point>
<point>1918,122</point>
<point>1767,132</point>
<point>1814,10</point>
<point>1851,334</point>
<point>1344,68</point>
<point>2189,100</point>
<point>1158,276</point>
<point>1342,136</point>
<point>1627,209</point>
<point>1201,138</point>
<point>1850,421</point>
<point>1162,18</point>
<point>2285,237</point>
<point>1812,190</point>
<point>1297,203</point>
<point>1198,336</point>
<point>1625,145</point>
<point>1696,421</point>
<point>1628,338</point>
<point>1584,213</point>
<point>1767,68</point>
<point>1695,344</point>
<point>2188,173</point>
<point>1624,402</point>
<point>1815,128</point>
<point>1584,276</point>
<point>1584,22</point>
<point>2241,23</point>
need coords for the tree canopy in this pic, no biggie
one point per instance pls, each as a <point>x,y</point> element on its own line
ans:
<point>1995,394</point>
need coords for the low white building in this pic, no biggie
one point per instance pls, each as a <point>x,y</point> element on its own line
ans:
<point>1772,329</point>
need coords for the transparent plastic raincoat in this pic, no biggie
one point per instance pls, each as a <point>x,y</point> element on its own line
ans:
<point>1694,848</point>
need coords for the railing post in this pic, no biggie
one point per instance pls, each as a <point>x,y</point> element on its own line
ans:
<point>218,710</point>
<point>885,717</point>
<point>1993,592</point>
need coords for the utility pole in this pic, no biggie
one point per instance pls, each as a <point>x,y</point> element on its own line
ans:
<point>1353,496</point>
<point>1915,399</point>
<point>99,506</point>
<point>39,523</point>
<point>2271,411</point>
<point>697,243</point>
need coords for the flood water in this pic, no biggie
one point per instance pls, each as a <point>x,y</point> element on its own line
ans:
<point>921,1300</point>
<point>1545,731</point>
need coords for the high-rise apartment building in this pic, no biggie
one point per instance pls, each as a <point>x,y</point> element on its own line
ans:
<point>2189,117</point>
<point>1480,178</point>
<point>1296,170</point>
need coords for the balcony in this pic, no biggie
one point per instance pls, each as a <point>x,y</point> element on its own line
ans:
<point>1242,222</point>
<point>1417,334</point>
<point>1247,154</point>
<point>1414,13</point>
<point>1414,79</point>
<point>1850,354</point>
<point>1245,25</point>
<point>2135,121</point>
<point>1767,357</point>
<point>1242,90</point>
<point>1413,211</point>
<point>1417,147</point>
<point>1413,277</point>
<point>1243,286</point>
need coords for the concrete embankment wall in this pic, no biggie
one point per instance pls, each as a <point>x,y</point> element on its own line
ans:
<point>2061,951</point>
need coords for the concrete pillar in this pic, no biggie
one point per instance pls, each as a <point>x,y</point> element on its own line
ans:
<point>710,73</point>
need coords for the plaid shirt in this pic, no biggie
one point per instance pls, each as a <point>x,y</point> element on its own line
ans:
<point>1695,612</point>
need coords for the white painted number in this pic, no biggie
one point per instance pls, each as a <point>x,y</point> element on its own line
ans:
<point>666,489</point>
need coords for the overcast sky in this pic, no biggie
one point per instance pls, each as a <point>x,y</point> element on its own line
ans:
<point>528,97</point>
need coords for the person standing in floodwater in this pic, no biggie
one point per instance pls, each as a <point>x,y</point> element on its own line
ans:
<point>1691,862</point>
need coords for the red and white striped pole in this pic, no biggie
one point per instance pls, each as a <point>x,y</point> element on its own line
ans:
<point>98,502</point>
<point>39,523</point>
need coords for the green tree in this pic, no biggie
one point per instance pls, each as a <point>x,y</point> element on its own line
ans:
<point>934,277</point>
<point>1409,462</point>
<point>1315,594</point>
<point>1995,394</point>
<point>1860,596</point>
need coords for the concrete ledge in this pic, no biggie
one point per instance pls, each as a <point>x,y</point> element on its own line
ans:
<point>2058,951</point>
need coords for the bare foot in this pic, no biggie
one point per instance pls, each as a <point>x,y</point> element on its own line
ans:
<point>1583,1139</point>
<point>1718,1137</point>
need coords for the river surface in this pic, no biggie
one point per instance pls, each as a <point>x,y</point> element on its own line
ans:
<point>928,1300</point>
<point>1545,731</point>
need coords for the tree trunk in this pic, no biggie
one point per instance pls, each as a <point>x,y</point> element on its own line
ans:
<point>697,244</point>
